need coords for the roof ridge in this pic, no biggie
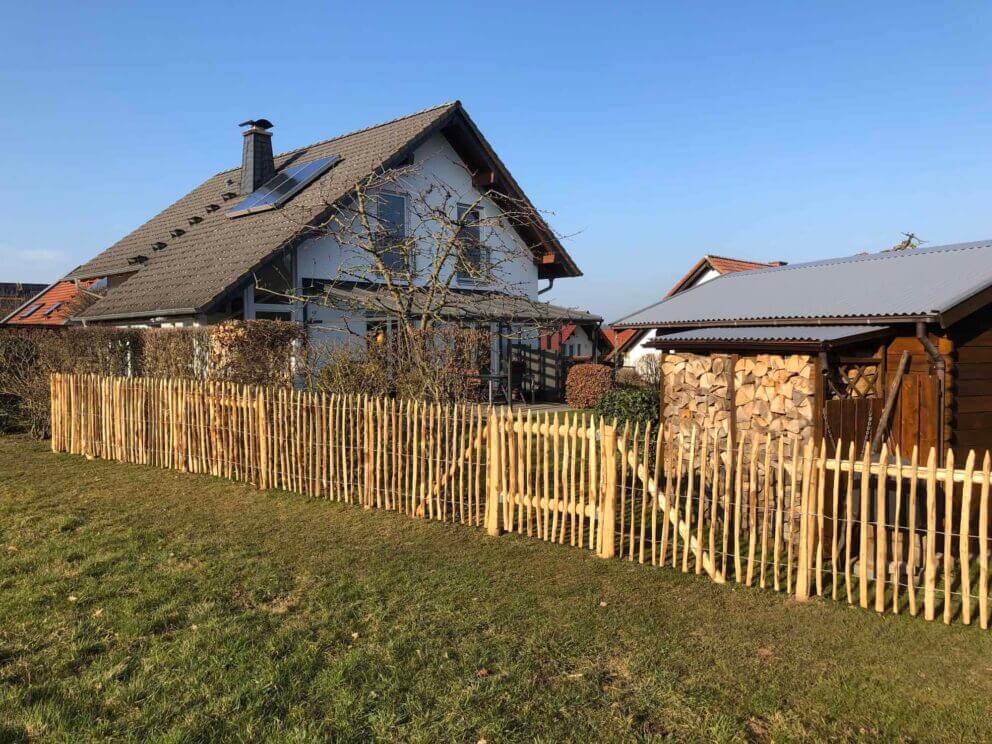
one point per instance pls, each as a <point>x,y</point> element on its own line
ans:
<point>888,254</point>
<point>739,260</point>
<point>455,102</point>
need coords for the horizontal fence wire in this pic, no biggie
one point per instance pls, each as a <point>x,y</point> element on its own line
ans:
<point>885,531</point>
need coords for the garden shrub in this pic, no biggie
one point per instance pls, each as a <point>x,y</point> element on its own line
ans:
<point>586,384</point>
<point>629,403</point>
<point>346,370</point>
<point>250,352</point>
<point>439,364</point>
<point>255,352</point>
<point>629,376</point>
<point>176,352</point>
<point>28,357</point>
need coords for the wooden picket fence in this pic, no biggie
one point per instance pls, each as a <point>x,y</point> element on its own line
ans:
<point>888,532</point>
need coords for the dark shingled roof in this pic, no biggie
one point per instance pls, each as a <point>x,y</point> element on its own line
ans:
<point>217,253</point>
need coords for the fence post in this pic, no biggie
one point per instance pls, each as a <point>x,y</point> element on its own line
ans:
<point>493,509</point>
<point>263,438</point>
<point>608,518</point>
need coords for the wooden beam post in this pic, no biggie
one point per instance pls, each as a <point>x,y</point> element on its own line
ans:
<point>890,401</point>
<point>493,527</point>
<point>608,521</point>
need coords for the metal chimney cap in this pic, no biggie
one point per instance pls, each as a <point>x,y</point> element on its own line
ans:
<point>260,123</point>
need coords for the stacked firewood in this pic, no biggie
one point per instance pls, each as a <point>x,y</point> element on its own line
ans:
<point>696,391</point>
<point>771,393</point>
<point>774,393</point>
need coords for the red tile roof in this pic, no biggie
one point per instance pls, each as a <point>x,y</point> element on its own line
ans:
<point>719,264</point>
<point>51,307</point>
<point>616,340</point>
<point>555,340</point>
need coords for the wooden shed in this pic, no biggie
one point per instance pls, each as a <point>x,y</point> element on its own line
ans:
<point>839,348</point>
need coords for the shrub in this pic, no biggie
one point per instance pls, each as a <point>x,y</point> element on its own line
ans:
<point>346,370</point>
<point>176,352</point>
<point>586,384</point>
<point>649,369</point>
<point>255,352</point>
<point>29,356</point>
<point>629,403</point>
<point>440,364</point>
<point>629,376</point>
<point>251,352</point>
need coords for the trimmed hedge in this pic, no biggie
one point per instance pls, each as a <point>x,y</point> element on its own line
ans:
<point>629,403</point>
<point>250,352</point>
<point>586,384</point>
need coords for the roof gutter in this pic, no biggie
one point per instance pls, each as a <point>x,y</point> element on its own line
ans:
<point>132,316</point>
<point>768,344</point>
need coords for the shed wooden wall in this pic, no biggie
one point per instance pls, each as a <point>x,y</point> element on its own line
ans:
<point>971,422</point>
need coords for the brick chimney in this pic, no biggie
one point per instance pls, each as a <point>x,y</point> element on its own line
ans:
<point>257,165</point>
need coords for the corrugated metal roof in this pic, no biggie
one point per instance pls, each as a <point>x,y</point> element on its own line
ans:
<point>824,333</point>
<point>911,283</point>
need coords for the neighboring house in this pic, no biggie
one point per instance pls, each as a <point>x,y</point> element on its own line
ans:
<point>836,348</point>
<point>238,247</point>
<point>576,341</point>
<point>49,306</point>
<point>14,294</point>
<point>636,343</point>
<point>616,342</point>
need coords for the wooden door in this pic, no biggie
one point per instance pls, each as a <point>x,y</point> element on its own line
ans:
<point>851,420</point>
<point>914,417</point>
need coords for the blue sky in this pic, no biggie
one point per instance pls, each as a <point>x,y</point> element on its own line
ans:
<point>652,132</point>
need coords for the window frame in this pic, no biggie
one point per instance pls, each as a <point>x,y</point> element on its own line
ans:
<point>484,267</point>
<point>409,261</point>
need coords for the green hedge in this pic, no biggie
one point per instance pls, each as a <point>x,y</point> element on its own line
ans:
<point>629,403</point>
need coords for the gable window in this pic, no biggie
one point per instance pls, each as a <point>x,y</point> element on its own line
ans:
<point>472,263</point>
<point>390,217</point>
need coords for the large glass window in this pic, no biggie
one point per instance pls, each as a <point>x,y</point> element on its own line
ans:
<point>391,231</point>
<point>473,258</point>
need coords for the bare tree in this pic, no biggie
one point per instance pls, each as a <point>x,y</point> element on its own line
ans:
<point>414,256</point>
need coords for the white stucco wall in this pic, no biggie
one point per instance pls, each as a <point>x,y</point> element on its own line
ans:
<point>578,344</point>
<point>325,258</point>
<point>435,162</point>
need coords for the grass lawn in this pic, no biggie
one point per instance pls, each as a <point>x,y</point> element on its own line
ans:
<point>145,604</point>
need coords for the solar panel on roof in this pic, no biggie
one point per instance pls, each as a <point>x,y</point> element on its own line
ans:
<point>283,186</point>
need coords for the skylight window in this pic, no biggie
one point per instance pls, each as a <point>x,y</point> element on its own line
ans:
<point>32,310</point>
<point>52,309</point>
<point>283,186</point>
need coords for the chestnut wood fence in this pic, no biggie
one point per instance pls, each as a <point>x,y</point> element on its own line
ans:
<point>891,531</point>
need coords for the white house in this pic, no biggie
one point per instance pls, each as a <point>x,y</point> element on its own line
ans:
<point>248,242</point>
